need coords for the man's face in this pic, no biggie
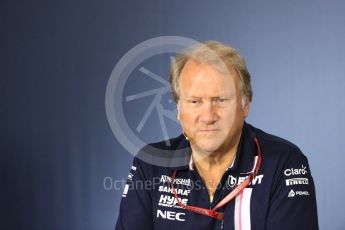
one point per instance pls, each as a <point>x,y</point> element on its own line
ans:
<point>210,107</point>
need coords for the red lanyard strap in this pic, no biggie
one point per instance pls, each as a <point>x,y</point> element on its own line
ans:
<point>202,211</point>
<point>212,212</point>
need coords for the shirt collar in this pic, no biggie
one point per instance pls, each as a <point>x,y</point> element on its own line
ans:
<point>245,152</point>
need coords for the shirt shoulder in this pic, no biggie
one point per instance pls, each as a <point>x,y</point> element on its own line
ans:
<point>274,146</point>
<point>165,155</point>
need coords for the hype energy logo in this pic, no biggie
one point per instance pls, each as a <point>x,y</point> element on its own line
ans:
<point>137,93</point>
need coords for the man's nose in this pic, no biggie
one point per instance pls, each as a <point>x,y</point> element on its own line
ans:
<point>208,113</point>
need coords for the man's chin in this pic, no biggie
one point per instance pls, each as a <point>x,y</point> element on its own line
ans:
<point>208,149</point>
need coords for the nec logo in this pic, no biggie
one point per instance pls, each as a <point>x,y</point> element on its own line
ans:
<point>179,216</point>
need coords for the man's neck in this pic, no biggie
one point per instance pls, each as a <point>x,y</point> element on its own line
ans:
<point>215,160</point>
<point>211,166</point>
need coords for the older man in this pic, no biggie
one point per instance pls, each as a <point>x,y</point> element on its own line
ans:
<point>236,176</point>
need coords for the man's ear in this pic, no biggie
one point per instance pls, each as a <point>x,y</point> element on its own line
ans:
<point>178,111</point>
<point>245,106</point>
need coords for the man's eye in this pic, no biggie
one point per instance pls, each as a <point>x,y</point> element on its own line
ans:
<point>221,100</point>
<point>194,101</point>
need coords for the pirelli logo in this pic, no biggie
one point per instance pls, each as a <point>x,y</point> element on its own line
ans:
<point>296,181</point>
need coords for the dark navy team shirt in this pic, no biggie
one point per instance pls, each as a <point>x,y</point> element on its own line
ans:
<point>282,196</point>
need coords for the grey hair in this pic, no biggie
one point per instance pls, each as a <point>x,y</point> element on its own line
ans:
<point>214,53</point>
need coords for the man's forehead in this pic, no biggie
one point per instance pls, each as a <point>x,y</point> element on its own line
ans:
<point>194,68</point>
<point>205,74</point>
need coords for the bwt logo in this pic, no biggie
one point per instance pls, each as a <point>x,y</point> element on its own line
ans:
<point>179,216</point>
<point>233,181</point>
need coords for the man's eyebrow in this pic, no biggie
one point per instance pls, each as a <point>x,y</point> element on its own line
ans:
<point>191,98</point>
<point>220,96</point>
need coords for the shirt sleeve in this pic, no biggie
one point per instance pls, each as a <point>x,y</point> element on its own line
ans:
<point>136,206</point>
<point>293,200</point>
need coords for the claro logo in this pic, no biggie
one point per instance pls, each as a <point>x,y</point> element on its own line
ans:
<point>294,172</point>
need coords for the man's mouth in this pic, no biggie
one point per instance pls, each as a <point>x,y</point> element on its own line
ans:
<point>208,130</point>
